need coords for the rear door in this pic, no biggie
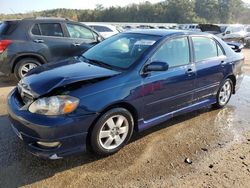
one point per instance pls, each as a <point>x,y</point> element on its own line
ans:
<point>51,40</point>
<point>173,89</point>
<point>209,62</point>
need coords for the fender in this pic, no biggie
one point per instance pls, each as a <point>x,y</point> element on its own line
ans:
<point>18,56</point>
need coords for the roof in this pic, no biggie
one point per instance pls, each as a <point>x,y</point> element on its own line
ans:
<point>39,18</point>
<point>161,32</point>
<point>45,18</point>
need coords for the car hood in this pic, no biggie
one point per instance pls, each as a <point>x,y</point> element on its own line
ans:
<point>210,28</point>
<point>46,78</point>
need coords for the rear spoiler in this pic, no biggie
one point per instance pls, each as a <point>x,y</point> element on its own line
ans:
<point>237,47</point>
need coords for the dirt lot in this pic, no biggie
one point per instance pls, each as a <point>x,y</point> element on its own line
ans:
<point>216,141</point>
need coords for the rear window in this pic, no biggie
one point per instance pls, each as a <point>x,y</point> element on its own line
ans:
<point>51,29</point>
<point>7,27</point>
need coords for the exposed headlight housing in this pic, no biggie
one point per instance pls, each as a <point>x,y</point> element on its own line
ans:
<point>55,105</point>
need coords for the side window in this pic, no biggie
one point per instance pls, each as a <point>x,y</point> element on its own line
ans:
<point>51,29</point>
<point>35,30</point>
<point>77,31</point>
<point>175,52</point>
<point>204,48</point>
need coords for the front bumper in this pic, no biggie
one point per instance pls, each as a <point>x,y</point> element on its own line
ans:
<point>70,131</point>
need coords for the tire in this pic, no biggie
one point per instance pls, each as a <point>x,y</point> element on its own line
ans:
<point>224,93</point>
<point>24,66</point>
<point>108,135</point>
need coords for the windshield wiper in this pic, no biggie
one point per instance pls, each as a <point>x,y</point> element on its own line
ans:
<point>84,58</point>
<point>99,63</point>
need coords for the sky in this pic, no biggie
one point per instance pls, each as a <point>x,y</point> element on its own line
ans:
<point>22,6</point>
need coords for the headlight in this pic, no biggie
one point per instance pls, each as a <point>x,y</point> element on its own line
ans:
<point>56,105</point>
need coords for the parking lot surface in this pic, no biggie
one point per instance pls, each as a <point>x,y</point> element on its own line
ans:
<point>217,142</point>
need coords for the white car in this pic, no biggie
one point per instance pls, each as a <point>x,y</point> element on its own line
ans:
<point>104,29</point>
<point>234,33</point>
<point>229,33</point>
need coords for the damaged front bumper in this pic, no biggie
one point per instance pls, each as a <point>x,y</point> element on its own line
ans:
<point>34,129</point>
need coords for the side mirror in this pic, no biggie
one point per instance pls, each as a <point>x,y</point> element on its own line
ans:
<point>99,39</point>
<point>228,32</point>
<point>237,47</point>
<point>156,66</point>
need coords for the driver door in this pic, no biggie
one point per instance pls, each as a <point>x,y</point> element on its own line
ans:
<point>81,38</point>
<point>170,90</point>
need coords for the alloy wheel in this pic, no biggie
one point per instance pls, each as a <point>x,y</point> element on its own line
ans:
<point>113,132</point>
<point>26,68</point>
<point>225,93</point>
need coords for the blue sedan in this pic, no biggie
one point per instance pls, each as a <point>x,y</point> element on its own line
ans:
<point>127,83</point>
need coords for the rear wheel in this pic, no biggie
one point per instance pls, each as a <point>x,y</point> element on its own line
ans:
<point>112,131</point>
<point>24,66</point>
<point>224,94</point>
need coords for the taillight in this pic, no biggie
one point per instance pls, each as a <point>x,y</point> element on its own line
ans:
<point>4,44</point>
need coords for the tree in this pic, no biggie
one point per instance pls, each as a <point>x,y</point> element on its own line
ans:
<point>208,10</point>
<point>180,11</point>
<point>175,11</point>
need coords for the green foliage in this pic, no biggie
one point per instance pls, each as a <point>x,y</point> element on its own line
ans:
<point>168,11</point>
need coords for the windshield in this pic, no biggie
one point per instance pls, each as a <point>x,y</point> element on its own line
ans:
<point>122,50</point>
<point>223,28</point>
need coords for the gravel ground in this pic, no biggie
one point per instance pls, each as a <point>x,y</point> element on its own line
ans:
<point>217,142</point>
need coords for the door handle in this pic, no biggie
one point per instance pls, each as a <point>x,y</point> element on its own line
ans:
<point>190,71</point>
<point>223,63</point>
<point>76,44</point>
<point>39,41</point>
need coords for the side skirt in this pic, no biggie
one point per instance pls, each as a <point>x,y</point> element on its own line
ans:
<point>142,125</point>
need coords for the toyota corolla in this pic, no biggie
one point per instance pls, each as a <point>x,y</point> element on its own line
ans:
<point>127,83</point>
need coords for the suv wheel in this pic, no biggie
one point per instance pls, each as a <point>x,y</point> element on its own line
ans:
<point>24,66</point>
<point>224,93</point>
<point>112,131</point>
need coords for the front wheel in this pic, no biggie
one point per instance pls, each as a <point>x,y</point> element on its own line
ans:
<point>112,131</point>
<point>224,94</point>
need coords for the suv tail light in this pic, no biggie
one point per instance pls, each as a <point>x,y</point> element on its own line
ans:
<point>4,44</point>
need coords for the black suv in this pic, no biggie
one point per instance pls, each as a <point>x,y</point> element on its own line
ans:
<point>28,43</point>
